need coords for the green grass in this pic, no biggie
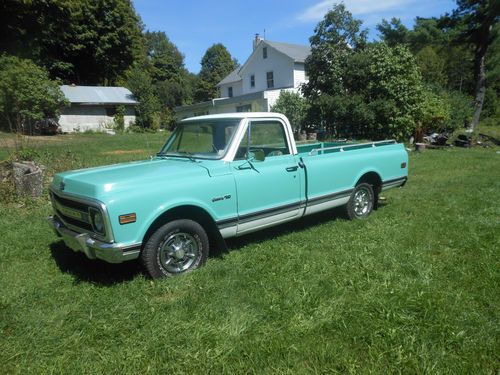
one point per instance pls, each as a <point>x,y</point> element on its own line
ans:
<point>413,289</point>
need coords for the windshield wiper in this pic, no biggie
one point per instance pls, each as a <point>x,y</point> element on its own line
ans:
<point>180,154</point>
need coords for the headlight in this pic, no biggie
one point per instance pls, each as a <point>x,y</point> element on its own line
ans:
<point>97,221</point>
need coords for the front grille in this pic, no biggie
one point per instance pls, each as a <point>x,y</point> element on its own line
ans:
<point>72,212</point>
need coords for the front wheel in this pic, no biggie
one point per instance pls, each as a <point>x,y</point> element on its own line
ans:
<point>361,203</point>
<point>175,248</point>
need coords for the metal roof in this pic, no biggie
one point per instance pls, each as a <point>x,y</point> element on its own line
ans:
<point>98,95</point>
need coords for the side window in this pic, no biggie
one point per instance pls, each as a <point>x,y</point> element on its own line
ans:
<point>266,136</point>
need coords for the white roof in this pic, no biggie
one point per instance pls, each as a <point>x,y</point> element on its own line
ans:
<point>238,115</point>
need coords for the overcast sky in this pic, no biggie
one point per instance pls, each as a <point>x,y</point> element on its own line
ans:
<point>195,25</point>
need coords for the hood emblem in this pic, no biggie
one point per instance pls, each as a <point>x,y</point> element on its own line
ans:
<point>62,185</point>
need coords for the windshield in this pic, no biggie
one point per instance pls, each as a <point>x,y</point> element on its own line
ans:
<point>204,139</point>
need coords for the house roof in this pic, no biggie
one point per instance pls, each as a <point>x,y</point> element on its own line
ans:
<point>98,95</point>
<point>231,77</point>
<point>297,52</point>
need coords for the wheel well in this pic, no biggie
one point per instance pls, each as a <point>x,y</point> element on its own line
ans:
<point>373,179</point>
<point>194,213</point>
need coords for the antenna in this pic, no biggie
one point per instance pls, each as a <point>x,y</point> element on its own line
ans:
<point>264,34</point>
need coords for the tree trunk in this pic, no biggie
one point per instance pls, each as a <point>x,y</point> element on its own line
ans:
<point>480,88</point>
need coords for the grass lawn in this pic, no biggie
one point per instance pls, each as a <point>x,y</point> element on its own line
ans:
<point>413,289</point>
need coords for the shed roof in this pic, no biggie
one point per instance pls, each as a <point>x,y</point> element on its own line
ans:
<point>98,95</point>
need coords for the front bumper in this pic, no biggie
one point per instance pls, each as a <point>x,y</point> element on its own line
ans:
<point>92,248</point>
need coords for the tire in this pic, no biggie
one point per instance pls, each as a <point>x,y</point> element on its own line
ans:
<point>361,202</point>
<point>177,247</point>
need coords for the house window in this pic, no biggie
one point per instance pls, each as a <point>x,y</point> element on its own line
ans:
<point>230,92</point>
<point>270,80</point>
<point>252,80</point>
<point>264,52</point>
<point>244,108</point>
<point>110,111</point>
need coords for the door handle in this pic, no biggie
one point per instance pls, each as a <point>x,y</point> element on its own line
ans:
<point>292,169</point>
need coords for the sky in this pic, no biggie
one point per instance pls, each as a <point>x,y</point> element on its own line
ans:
<point>193,26</point>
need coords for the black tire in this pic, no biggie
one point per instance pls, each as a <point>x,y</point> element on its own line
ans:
<point>361,202</point>
<point>175,248</point>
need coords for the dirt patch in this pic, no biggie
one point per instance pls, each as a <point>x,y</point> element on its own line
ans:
<point>124,152</point>
<point>10,140</point>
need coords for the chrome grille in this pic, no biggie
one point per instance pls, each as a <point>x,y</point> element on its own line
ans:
<point>74,213</point>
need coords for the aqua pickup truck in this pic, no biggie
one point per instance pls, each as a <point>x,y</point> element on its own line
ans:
<point>217,176</point>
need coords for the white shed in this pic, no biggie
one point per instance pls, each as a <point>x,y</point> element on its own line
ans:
<point>94,107</point>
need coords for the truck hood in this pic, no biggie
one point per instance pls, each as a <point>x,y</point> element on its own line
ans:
<point>102,181</point>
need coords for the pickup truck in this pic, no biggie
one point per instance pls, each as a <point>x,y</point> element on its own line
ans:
<point>217,176</point>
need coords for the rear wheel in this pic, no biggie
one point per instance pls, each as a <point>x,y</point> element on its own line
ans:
<point>175,248</point>
<point>361,203</point>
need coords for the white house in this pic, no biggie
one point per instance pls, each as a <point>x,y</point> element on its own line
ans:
<point>94,107</point>
<point>257,84</point>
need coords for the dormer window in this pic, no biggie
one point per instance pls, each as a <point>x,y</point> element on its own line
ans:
<point>264,52</point>
<point>230,92</point>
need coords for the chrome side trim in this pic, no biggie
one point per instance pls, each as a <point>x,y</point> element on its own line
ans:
<point>396,182</point>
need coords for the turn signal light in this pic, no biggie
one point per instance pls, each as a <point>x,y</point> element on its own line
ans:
<point>127,218</point>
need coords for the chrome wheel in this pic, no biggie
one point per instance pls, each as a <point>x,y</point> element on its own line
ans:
<point>179,252</point>
<point>362,202</point>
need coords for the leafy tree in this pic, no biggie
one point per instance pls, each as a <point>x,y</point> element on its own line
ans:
<point>393,32</point>
<point>293,106</point>
<point>165,60</point>
<point>79,41</point>
<point>26,93</point>
<point>141,85</point>
<point>432,66</point>
<point>336,37</point>
<point>215,65</point>
<point>475,19</point>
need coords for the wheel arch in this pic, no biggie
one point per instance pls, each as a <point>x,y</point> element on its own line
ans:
<point>373,178</point>
<point>189,212</point>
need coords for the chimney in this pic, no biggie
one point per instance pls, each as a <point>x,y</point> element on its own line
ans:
<point>256,41</point>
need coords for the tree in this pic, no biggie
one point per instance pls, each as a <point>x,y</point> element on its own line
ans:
<point>336,37</point>
<point>476,20</point>
<point>432,66</point>
<point>215,65</point>
<point>78,41</point>
<point>149,108</point>
<point>293,106</point>
<point>394,32</point>
<point>26,93</point>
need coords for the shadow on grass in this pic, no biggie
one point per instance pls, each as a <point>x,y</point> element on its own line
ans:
<point>92,270</point>
<point>107,274</point>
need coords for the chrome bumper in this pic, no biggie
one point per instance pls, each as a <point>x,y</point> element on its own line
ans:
<point>92,248</point>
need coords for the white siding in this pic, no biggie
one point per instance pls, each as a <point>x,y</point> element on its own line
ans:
<point>90,117</point>
<point>299,75</point>
<point>237,90</point>
<point>276,62</point>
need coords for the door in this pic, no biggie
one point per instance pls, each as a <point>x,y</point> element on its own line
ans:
<point>267,177</point>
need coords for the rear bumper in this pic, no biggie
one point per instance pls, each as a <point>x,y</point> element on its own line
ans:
<point>92,248</point>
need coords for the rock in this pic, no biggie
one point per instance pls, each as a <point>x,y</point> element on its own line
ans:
<point>28,179</point>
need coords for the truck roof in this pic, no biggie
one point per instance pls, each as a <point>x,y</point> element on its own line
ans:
<point>239,115</point>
